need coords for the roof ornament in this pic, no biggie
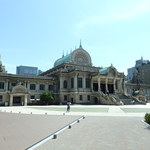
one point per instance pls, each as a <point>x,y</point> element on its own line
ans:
<point>63,54</point>
<point>80,44</point>
<point>0,60</point>
<point>70,50</point>
<point>141,57</point>
<point>67,53</point>
<point>111,65</point>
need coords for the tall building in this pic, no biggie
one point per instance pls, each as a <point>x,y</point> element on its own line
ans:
<point>27,70</point>
<point>141,62</point>
<point>139,78</point>
<point>131,71</point>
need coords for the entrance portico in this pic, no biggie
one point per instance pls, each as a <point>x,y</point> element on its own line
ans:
<point>18,99</point>
<point>18,96</point>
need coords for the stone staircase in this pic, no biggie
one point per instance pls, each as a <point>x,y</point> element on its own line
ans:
<point>128,100</point>
<point>116,99</point>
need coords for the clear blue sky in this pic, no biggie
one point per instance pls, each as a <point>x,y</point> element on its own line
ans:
<point>36,32</point>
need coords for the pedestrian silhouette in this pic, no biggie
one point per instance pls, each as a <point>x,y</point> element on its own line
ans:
<point>68,106</point>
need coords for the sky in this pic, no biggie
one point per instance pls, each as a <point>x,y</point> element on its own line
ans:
<point>37,32</point>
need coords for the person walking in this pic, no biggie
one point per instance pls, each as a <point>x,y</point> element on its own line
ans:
<point>68,106</point>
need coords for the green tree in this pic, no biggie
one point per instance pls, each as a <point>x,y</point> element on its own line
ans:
<point>47,97</point>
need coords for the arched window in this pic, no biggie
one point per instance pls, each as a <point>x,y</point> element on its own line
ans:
<point>65,84</point>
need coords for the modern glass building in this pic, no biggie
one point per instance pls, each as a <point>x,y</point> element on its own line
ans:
<point>27,70</point>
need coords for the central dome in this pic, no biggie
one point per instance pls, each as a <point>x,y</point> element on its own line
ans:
<point>78,56</point>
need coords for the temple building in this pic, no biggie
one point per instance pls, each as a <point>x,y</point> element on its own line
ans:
<point>78,81</point>
<point>22,89</point>
<point>73,78</point>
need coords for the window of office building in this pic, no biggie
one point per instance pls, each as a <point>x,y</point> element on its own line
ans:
<point>65,84</point>
<point>65,97</point>
<point>1,85</point>
<point>13,84</point>
<point>32,97</point>
<point>42,87</point>
<point>1,98</point>
<point>50,87</point>
<point>79,82</point>
<point>88,97</point>
<point>72,82</point>
<point>88,83</point>
<point>81,98</point>
<point>32,86</point>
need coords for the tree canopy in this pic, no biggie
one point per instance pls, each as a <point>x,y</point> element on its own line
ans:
<point>47,97</point>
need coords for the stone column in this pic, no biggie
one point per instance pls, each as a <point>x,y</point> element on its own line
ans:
<point>106,84</point>
<point>114,85</point>
<point>25,100</point>
<point>92,84</point>
<point>121,85</point>
<point>28,85</point>
<point>11,100</point>
<point>37,88</point>
<point>99,84</point>
<point>61,83</point>
<point>117,89</point>
<point>84,82</point>
<point>75,82</point>
<point>6,86</point>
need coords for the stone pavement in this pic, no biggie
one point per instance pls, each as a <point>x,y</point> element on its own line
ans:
<point>102,133</point>
<point>20,131</point>
<point>112,110</point>
<point>114,129</point>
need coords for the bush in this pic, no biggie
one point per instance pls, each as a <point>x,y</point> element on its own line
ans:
<point>147,118</point>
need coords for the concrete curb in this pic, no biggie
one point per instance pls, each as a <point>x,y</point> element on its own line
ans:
<point>146,124</point>
<point>55,134</point>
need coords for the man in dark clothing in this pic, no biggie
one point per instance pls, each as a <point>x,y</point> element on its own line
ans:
<point>68,106</point>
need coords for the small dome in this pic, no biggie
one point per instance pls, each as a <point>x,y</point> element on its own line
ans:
<point>64,59</point>
<point>103,71</point>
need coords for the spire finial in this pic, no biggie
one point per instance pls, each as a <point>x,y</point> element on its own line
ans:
<point>63,54</point>
<point>141,57</point>
<point>70,50</point>
<point>0,60</point>
<point>80,44</point>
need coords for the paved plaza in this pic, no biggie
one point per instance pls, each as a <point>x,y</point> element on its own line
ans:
<point>112,127</point>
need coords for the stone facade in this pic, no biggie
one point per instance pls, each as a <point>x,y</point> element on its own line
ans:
<point>79,82</point>
<point>73,78</point>
<point>22,90</point>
